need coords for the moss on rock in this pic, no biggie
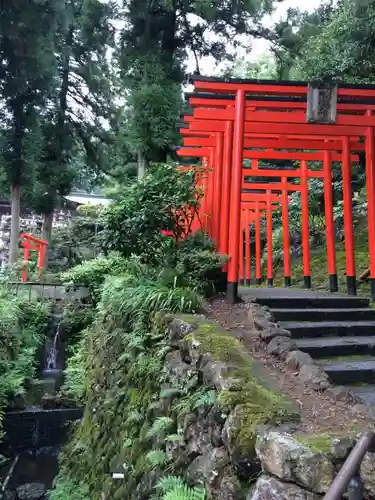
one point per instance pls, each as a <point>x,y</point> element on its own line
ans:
<point>250,402</point>
<point>320,443</point>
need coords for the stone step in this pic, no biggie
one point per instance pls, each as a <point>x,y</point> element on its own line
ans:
<point>311,329</point>
<point>336,314</point>
<point>350,371</point>
<point>313,302</point>
<point>365,392</point>
<point>338,346</point>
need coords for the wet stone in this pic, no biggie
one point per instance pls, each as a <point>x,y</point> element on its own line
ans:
<point>10,495</point>
<point>31,491</point>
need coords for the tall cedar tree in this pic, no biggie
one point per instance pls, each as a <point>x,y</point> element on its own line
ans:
<point>73,129</point>
<point>155,41</point>
<point>27,73</point>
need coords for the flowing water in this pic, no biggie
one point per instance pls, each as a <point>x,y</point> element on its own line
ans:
<point>34,435</point>
<point>53,364</point>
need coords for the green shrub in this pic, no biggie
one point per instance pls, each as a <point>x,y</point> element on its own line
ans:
<point>74,384</point>
<point>135,300</point>
<point>66,489</point>
<point>194,263</point>
<point>23,327</point>
<point>165,199</point>
<point>92,273</point>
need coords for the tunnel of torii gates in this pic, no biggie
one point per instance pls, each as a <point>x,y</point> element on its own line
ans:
<point>233,120</point>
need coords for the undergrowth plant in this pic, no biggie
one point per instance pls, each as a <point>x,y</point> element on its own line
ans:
<point>23,325</point>
<point>173,488</point>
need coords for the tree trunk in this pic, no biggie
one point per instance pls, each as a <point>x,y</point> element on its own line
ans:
<point>15,224</point>
<point>142,165</point>
<point>47,234</point>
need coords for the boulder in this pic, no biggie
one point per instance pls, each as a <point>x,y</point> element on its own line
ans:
<point>197,437</point>
<point>178,329</point>
<point>341,447</point>
<point>31,491</point>
<point>19,402</point>
<point>261,323</point>
<point>295,359</point>
<point>9,495</point>
<point>281,346</point>
<point>289,460</point>
<point>220,375</point>
<point>226,487</point>
<point>205,469</point>
<point>368,473</point>
<point>178,371</point>
<point>269,488</point>
<point>174,448</point>
<point>316,378</point>
<point>273,331</point>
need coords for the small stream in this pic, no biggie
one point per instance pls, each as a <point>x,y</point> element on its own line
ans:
<point>35,434</point>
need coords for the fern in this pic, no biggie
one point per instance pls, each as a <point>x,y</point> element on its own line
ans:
<point>174,437</point>
<point>160,426</point>
<point>157,458</point>
<point>173,488</point>
<point>207,398</point>
<point>185,493</point>
<point>169,483</point>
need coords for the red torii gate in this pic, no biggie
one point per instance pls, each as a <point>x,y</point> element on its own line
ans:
<point>29,242</point>
<point>238,122</point>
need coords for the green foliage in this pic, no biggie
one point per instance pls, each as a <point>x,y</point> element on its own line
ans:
<point>263,68</point>
<point>161,426</point>
<point>344,48</point>
<point>173,488</point>
<point>195,263</point>
<point>70,246</point>
<point>92,273</point>
<point>134,300</point>
<point>66,488</point>
<point>163,200</point>
<point>23,325</point>
<point>185,493</point>
<point>74,382</point>
<point>153,49</point>
<point>157,458</point>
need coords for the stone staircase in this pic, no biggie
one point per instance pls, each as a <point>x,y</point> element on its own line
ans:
<point>337,331</point>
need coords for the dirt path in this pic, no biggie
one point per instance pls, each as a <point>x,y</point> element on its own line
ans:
<point>319,412</point>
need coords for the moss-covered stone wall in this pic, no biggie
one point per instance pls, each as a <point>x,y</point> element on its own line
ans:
<point>188,405</point>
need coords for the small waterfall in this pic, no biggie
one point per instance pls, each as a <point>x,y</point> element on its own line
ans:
<point>53,364</point>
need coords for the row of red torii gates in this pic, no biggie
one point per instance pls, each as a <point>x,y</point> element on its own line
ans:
<point>233,120</point>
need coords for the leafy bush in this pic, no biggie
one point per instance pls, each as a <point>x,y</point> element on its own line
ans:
<point>68,489</point>
<point>165,199</point>
<point>74,384</point>
<point>72,245</point>
<point>195,263</point>
<point>92,273</point>
<point>23,326</point>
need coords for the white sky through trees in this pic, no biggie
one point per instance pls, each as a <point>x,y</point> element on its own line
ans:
<point>259,47</point>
